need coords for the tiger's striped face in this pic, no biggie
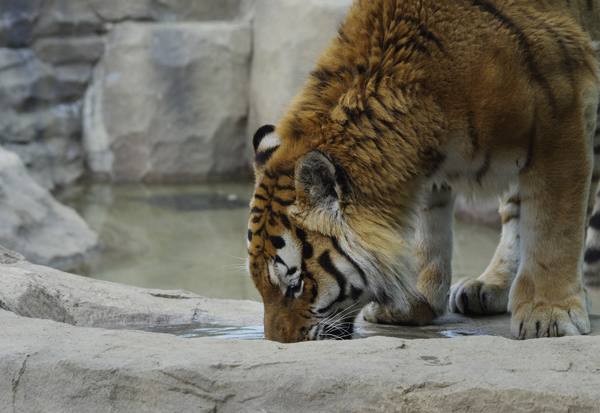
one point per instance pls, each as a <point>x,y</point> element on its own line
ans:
<point>311,285</point>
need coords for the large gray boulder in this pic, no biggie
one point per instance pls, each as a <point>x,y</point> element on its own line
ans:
<point>288,37</point>
<point>35,224</point>
<point>51,360</point>
<point>169,102</point>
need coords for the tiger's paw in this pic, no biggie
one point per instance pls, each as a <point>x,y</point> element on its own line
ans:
<point>540,319</point>
<point>419,313</point>
<point>477,297</point>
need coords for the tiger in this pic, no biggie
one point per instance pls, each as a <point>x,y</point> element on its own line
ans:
<point>412,103</point>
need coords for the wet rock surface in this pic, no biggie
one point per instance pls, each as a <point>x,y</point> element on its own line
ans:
<point>97,369</point>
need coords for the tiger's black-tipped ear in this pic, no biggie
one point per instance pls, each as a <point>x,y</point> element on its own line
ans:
<point>265,143</point>
<point>321,181</point>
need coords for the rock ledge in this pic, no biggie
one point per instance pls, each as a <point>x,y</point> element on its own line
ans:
<point>61,363</point>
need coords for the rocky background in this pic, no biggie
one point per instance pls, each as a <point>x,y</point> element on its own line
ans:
<point>150,90</point>
<point>139,91</point>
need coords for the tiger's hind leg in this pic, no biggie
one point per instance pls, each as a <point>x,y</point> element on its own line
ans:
<point>547,298</point>
<point>591,262</point>
<point>433,253</point>
<point>488,294</point>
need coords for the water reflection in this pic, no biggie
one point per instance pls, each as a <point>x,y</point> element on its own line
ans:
<point>190,237</point>
<point>193,237</point>
<point>211,330</point>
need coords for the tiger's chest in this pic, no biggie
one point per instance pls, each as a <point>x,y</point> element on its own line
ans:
<point>479,169</point>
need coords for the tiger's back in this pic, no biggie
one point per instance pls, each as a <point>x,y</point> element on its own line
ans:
<point>411,103</point>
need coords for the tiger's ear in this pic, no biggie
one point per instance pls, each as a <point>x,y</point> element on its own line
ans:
<point>320,182</point>
<point>265,143</point>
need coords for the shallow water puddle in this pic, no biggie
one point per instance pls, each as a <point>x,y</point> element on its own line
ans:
<point>215,330</point>
<point>198,330</point>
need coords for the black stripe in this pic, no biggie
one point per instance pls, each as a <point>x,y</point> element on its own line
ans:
<point>269,174</point>
<point>484,168</point>
<point>257,210</point>
<point>260,134</point>
<point>327,265</point>
<point>284,203</point>
<point>595,221</point>
<point>436,159</point>
<point>354,264</point>
<point>515,199</point>
<point>262,157</point>
<point>473,133</point>
<point>523,169</point>
<point>355,293</point>
<point>510,217</point>
<point>258,196</point>
<point>307,249</point>
<point>249,235</point>
<point>423,32</point>
<point>524,44</point>
<point>592,255</point>
<point>285,187</point>
<point>285,221</point>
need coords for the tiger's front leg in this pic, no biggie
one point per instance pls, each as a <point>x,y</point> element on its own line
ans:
<point>547,298</point>
<point>488,294</point>
<point>433,253</point>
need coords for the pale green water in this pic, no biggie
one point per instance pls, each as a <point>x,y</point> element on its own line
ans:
<point>193,237</point>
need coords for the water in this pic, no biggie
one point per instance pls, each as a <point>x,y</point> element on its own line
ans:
<point>190,237</point>
<point>215,330</point>
<point>193,237</point>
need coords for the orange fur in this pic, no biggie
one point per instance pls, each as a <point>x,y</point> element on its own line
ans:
<point>468,94</point>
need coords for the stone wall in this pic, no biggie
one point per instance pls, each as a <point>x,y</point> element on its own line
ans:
<point>147,90</point>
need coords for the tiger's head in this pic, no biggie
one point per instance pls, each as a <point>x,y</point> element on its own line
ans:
<point>304,257</point>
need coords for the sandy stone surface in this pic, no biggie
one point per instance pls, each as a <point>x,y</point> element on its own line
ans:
<point>50,366</point>
<point>51,360</point>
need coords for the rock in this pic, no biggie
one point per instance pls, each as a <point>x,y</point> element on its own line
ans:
<point>70,50</point>
<point>35,291</point>
<point>55,161</point>
<point>41,115</point>
<point>169,102</point>
<point>67,18</point>
<point>34,223</point>
<point>18,21</point>
<point>165,10</point>
<point>288,37</point>
<point>95,369</point>
<point>478,211</point>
